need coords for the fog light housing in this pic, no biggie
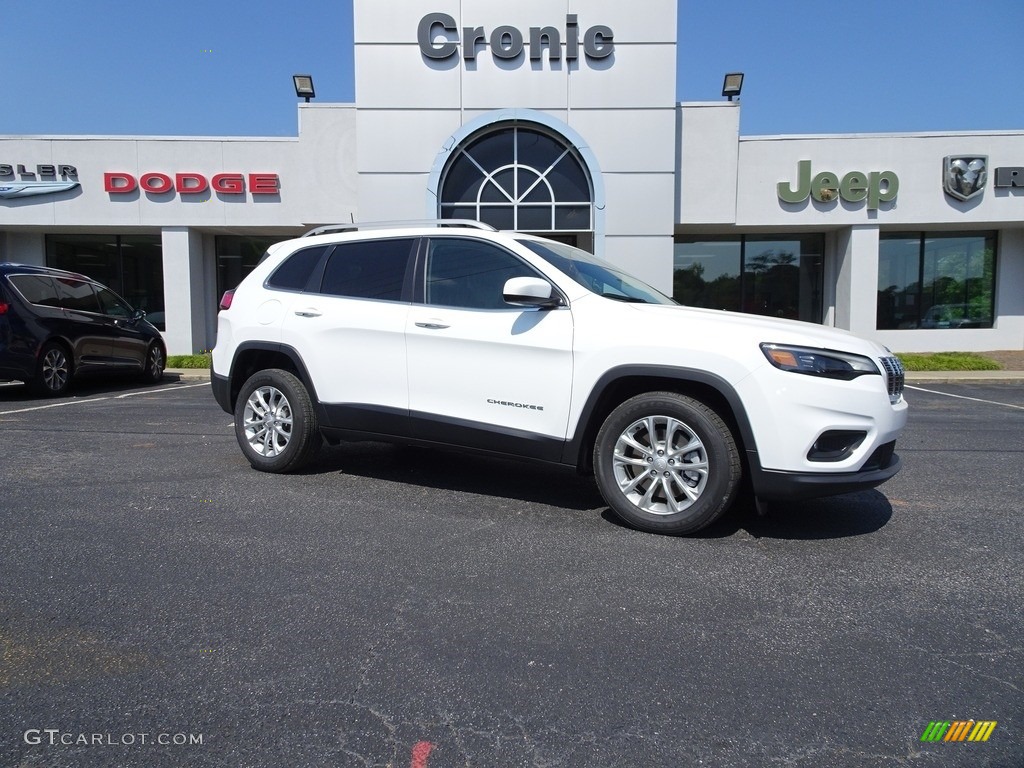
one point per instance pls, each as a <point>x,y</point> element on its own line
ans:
<point>836,445</point>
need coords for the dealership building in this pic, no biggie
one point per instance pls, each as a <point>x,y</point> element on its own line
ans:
<point>558,119</point>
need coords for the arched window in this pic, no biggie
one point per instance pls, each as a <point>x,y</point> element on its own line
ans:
<point>518,176</point>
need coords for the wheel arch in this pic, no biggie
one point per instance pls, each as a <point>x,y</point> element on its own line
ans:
<point>251,357</point>
<point>621,383</point>
<point>159,342</point>
<point>62,341</point>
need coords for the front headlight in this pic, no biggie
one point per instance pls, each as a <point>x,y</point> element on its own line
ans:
<point>819,362</point>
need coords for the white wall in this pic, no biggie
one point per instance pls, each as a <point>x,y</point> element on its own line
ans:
<point>729,186</point>
<point>708,163</point>
<point>410,107</point>
<point>316,172</point>
<point>317,176</point>
<point>23,247</point>
<point>917,159</point>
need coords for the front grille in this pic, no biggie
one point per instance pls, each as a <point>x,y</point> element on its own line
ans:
<point>894,376</point>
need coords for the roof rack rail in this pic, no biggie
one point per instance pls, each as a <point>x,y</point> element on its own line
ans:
<point>356,226</point>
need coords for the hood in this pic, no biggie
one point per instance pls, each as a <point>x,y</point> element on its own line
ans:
<point>721,324</point>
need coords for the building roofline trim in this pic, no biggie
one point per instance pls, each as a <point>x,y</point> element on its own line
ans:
<point>125,137</point>
<point>891,135</point>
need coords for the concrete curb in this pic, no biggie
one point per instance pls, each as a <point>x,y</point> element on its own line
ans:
<point>188,374</point>
<point>955,377</point>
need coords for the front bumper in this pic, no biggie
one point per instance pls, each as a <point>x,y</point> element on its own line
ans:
<point>774,485</point>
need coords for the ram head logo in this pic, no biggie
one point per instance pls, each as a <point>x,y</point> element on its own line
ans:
<point>964,176</point>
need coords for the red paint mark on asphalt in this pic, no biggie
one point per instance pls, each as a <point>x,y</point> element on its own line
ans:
<point>420,753</point>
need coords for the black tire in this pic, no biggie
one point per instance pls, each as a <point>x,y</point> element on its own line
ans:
<point>53,371</point>
<point>275,423</point>
<point>156,361</point>
<point>678,480</point>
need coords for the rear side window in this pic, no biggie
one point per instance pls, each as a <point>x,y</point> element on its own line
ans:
<point>294,273</point>
<point>77,295</point>
<point>37,289</point>
<point>371,269</point>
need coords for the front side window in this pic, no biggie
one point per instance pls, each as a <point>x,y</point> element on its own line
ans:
<point>470,274</point>
<point>936,280</point>
<point>111,304</point>
<point>368,269</point>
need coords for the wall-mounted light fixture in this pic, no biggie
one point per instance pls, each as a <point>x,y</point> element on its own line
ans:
<point>304,86</point>
<point>733,84</point>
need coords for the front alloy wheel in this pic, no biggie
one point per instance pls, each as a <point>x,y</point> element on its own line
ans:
<point>666,463</point>
<point>155,362</point>
<point>660,465</point>
<point>275,423</point>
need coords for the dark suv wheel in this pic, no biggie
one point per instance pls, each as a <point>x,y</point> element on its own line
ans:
<point>154,365</point>
<point>666,463</point>
<point>275,423</point>
<point>53,373</point>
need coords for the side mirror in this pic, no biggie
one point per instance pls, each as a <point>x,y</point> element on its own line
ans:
<point>137,315</point>
<point>530,292</point>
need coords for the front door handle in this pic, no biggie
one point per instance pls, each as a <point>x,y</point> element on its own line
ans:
<point>431,326</point>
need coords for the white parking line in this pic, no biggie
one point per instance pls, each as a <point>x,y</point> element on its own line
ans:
<point>108,397</point>
<point>964,397</point>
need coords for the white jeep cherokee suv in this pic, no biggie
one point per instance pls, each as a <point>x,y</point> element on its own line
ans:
<point>454,334</point>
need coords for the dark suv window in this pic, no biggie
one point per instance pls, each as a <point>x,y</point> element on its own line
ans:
<point>470,273</point>
<point>112,304</point>
<point>37,289</point>
<point>294,273</point>
<point>77,295</point>
<point>374,269</point>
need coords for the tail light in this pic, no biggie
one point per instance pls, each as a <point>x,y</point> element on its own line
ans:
<point>3,308</point>
<point>225,300</point>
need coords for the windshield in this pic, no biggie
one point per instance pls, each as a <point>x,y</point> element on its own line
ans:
<point>596,275</point>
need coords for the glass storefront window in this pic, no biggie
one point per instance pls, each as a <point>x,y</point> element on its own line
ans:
<point>237,256</point>
<point>779,276</point>
<point>131,265</point>
<point>707,273</point>
<point>936,280</point>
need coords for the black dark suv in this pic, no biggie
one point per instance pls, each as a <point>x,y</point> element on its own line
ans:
<point>56,325</point>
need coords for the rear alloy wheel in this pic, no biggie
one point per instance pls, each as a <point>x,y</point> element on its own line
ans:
<point>666,463</point>
<point>275,423</point>
<point>53,377</point>
<point>155,363</point>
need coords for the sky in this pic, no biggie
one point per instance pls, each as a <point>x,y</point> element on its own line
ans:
<point>224,67</point>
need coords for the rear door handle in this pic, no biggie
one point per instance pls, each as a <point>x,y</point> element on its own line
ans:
<point>431,326</point>
<point>307,313</point>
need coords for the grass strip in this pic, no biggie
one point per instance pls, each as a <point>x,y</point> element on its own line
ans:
<point>947,361</point>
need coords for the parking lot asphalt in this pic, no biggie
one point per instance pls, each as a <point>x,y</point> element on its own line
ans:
<point>162,604</point>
